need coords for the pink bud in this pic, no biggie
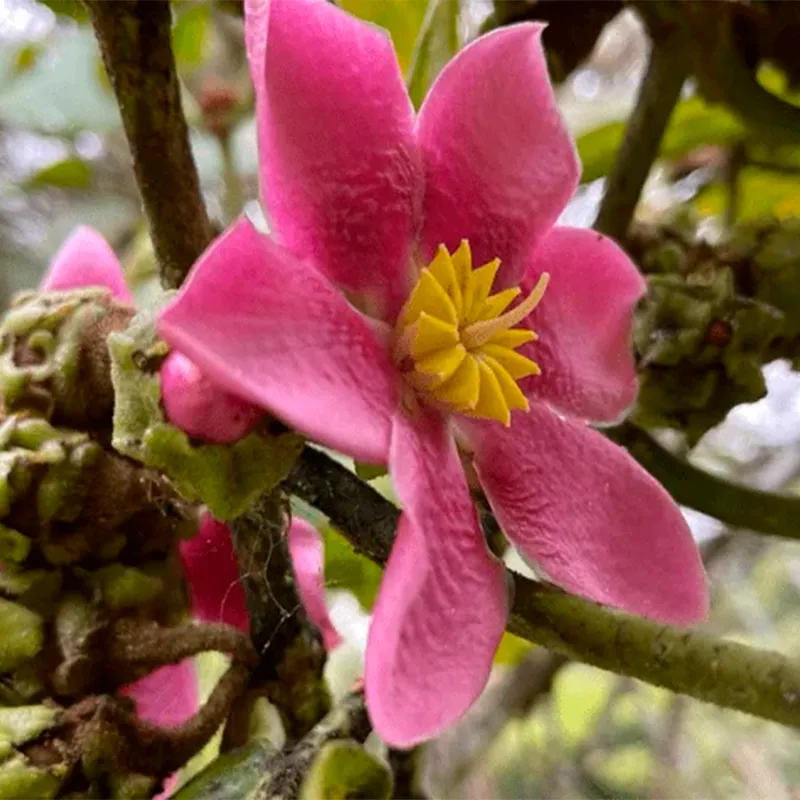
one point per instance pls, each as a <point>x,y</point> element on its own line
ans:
<point>196,406</point>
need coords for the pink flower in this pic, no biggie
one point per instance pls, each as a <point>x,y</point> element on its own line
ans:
<point>362,323</point>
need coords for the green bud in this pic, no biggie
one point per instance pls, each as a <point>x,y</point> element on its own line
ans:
<point>21,635</point>
<point>13,545</point>
<point>131,786</point>
<point>52,328</point>
<point>22,686</point>
<point>31,434</point>
<point>58,494</point>
<point>19,778</point>
<point>25,723</point>
<point>75,620</point>
<point>121,586</point>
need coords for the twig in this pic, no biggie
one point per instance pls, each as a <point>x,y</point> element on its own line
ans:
<point>658,95</point>
<point>134,37</point>
<point>728,674</point>
<point>736,505</point>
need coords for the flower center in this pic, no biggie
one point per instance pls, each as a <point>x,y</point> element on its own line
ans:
<point>456,342</point>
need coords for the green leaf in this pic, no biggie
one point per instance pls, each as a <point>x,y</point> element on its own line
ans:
<point>694,123</point>
<point>344,770</point>
<point>436,44</point>
<point>402,18</point>
<point>190,35</point>
<point>345,569</point>
<point>368,472</point>
<point>71,173</point>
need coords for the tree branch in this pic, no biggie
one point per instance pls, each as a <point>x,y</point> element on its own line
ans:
<point>729,674</point>
<point>291,655</point>
<point>733,504</point>
<point>134,37</point>
<point>659,92</point>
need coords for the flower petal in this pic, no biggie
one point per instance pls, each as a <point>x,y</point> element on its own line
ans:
<point>442,604</point>
<point>584,325</point>
<point>85,259</point>
<point>167,696</point>
<point>340,171</point>
<point>499,164</point>
<point>306,549</point>
<point>213,574</point>
<point>273,331</point>
<point>193,404</point>
<point>583,509</point>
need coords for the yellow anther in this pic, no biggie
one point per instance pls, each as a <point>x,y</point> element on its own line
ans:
<point>457,342</point>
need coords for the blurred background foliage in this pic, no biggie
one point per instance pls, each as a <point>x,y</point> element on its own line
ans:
<point>717,233</point>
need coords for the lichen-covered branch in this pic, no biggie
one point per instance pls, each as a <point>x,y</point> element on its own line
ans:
<point>134,37</point>
<point>659,92</point>
<point>705,667</point>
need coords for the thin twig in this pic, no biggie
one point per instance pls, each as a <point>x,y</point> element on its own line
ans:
<point>134,37</point>
<point>658,95</point>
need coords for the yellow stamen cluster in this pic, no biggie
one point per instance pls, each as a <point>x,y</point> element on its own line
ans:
<point>458,343</point>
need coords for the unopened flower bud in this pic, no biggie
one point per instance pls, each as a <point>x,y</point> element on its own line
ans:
<point>193,404</point>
